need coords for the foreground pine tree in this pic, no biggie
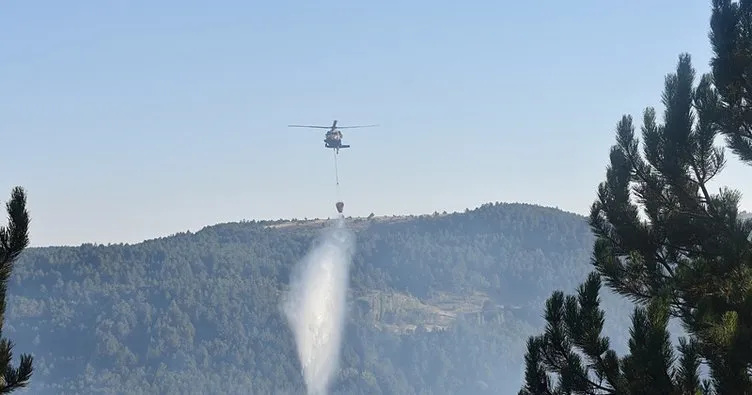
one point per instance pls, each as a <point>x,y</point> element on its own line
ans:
<point>13,240</point>
<point>731,38</point>
<point>665,240</point>
<point>691,250</point>
<point>573,348</point>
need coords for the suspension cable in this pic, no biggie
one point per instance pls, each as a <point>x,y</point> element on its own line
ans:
<point>336,171</point>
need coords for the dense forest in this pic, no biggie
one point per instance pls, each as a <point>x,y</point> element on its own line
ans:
<point>439,304</point>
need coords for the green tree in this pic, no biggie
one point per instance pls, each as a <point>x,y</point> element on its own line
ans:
<point>13,240</point>
<point>573,349</point>
<point>666,242</point>
<point>731,39</point>
<point>690,249</point>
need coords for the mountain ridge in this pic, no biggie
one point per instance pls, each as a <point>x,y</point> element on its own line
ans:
<point>438,303</point>
<point>356,222</point>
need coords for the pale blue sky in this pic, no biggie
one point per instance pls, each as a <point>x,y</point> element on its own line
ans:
<point>129,120</point>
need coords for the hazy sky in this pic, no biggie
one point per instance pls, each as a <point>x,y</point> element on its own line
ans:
<point>129,120</point>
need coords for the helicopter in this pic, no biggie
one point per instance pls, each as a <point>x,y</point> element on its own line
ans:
<point>333,137</point>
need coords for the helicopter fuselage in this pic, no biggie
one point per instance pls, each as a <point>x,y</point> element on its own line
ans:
<point>333,140</point>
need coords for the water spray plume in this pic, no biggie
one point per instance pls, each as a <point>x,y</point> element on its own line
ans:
<point>316,305</point>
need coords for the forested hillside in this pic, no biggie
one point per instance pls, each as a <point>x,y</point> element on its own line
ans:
<point>440,304</point>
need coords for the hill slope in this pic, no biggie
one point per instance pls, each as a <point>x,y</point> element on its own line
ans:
<point>440,304</point>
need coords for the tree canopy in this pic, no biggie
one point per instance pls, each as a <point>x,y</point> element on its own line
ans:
<point>667,242</point>
<point>438,304</point>
<point>14,238</point>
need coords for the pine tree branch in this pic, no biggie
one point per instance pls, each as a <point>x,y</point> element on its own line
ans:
<point>14,238</point>
<point>566,328</point>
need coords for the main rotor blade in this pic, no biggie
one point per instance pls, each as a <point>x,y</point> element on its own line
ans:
<point>352,127</point>
<point>309,126</point>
